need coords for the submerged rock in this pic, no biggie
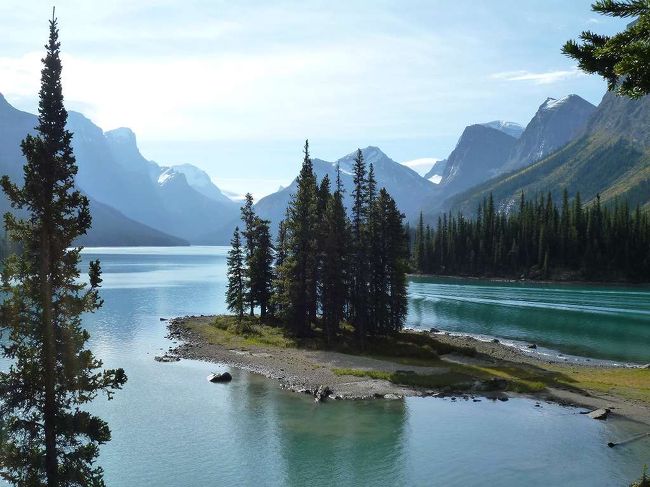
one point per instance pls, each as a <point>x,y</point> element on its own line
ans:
<point>167,358</point>
<point>599,414</point>
<point>225,377</point>
<point>392,396</point>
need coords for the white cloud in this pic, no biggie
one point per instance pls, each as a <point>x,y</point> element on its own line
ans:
<point>235,188</point>
<point>543,78</point>
<point>421,165</point>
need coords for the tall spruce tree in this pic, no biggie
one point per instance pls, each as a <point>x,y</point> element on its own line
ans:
<point>322,199</point>
<point>279,296</point>
<point>249,219</point>
<point>359,258</point>
<point>260,266</point>
<point>49,440</point>
<point>419,260</point>
<point>388,267</point>
<point>236,291</point>
<point>298,271</point>
<point>335,262</point>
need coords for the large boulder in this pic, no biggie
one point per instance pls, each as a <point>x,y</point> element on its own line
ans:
<point>322,393</point>
<point>225,377</point>
<point>599,414</point>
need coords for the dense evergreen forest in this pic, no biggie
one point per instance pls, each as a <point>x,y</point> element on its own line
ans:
<point>326,268</point>
<point>539,240</point>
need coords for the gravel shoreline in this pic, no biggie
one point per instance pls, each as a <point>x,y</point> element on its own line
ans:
<point>311,371</point>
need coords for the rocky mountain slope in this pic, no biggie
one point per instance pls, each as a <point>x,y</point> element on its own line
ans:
<point>611,157</point>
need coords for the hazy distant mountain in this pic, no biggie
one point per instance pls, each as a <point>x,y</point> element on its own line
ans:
<point>201,182</point>
<point>408,188</point>
<point>611,157</point>
<point>112,229</point>
<point>112,171</point>
<point>556,123</point>
<point>511,128</point>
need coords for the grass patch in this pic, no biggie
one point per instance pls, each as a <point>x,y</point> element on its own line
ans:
<point>445,379</point>
<point>233,332</point>
<point>624,382</point>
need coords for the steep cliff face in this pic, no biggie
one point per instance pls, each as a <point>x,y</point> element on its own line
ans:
<point>555,124</point>
<point>478,156</point>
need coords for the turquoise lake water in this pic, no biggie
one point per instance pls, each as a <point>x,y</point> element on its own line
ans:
<point>604,322</point>
<point>173,428</point>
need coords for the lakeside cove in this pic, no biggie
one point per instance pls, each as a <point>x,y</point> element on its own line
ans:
<point>410,363</point>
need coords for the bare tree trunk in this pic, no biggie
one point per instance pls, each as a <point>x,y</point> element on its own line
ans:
<point>49,363</point>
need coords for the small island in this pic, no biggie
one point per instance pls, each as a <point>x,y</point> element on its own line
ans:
<point>409,363</point>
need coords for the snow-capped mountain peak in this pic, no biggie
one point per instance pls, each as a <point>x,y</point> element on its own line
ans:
<point>200,181</point>
<point>555,103</point>
<point>511,128</point>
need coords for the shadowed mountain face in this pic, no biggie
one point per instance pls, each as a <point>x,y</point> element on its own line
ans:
<point>488,150</point>
<point>114,173</point>
<point>479,155</point>
<point>556,123</point>
<point>406,186</point>
<point>611,158</point>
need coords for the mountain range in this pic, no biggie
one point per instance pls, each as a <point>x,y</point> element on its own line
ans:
<point>609,156</point>
<point>142,202</point>
<point>568,143</point>
<point>486,150</point>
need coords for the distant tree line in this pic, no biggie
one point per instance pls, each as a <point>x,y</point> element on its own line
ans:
<point>325,268</point>
<point>538,239</point>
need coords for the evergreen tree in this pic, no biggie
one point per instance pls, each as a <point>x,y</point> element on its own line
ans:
<point>359,267</point>
<point>322,199</point>
<point>593,242</point>
<point>335,262</point>
<point>420,246</point>
<point>49,440</point>
<point>371,191</point>
<point>279,297</point>
<point>249,219</point>
<point>298,271</point>
<point>236,292</point>
<point>623,59</point>
<point>389,264</point>
<point>260,267</point>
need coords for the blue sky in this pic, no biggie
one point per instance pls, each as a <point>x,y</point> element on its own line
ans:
<point>236,87</point>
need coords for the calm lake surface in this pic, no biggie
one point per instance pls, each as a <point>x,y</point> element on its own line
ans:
<point>598,321</point>
<point>173,428</point>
